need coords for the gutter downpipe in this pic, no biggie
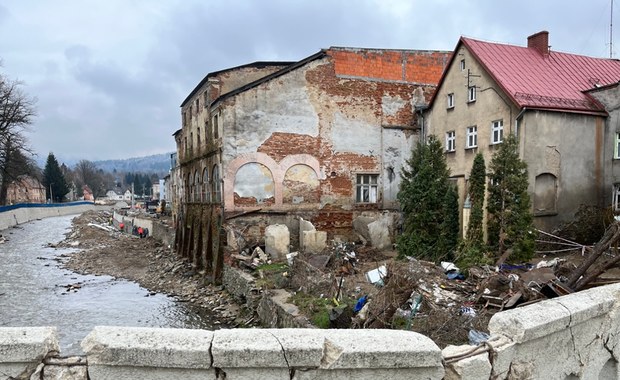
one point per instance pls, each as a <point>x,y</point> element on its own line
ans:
<point>519,116</point>
<point>420,111</point>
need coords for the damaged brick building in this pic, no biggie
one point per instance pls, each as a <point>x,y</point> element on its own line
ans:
<point>322,139</point>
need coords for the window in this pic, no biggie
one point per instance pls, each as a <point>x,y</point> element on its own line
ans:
<point>471,94</point>
<point>216,127</point>
<point>206,195</point>
<point>197,185</point>
<point>215,176</point>
<point>617,146</point>
<point>497,131</point>
<point>198,139</point>
<point>367,188</point>
<point>462,65</point>
<point>451,100</point>
<point>190,187</point>
<point>197,105</point>
<point>472,137</point>
<point>615,201</point>
<point>191,111</point>
<point>184,118</point>
<point>450,141</point>
<point>205,99</point>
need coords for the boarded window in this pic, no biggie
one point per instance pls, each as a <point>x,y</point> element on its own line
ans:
<point>254,185</point>
<point>545,194</point>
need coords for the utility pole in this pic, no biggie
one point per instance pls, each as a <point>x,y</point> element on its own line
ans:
<point>132,199</point>
<point>51,194</point>
<point>611,28</point>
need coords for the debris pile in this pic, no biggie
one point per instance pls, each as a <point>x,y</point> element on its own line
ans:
<point>366,288</point>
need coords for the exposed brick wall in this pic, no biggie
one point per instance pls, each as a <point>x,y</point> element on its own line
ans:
<point>252,201</point>
<point>424,67</point>
<point>282,144</point>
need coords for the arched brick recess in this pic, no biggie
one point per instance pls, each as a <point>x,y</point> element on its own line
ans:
<point>239,161</point>
<point>278,170</point>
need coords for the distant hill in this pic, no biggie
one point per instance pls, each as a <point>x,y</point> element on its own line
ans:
<point>158,163</point>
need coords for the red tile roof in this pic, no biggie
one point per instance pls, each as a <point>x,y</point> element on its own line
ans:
<point>555,81</point>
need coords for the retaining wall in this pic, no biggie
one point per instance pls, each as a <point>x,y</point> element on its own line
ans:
<point>572,337</point>
<point>157,230</point>
<point>13,215</point>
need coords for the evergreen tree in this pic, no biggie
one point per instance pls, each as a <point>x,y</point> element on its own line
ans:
<point>509,216</point>
<point>472,249</point>
<point>422,196</point>
<point>54,180</point>
<point>477,186</point>
<point>450,226</point>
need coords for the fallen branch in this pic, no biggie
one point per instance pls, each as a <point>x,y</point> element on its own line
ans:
<point>579,278</point>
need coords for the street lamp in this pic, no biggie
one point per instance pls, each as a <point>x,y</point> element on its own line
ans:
<point>51,194</point>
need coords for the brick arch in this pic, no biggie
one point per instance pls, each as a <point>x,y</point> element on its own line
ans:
<point>278,171</point>
<point>239,161</point>
<point>300,159</point>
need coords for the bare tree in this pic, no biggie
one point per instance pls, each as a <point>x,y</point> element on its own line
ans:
<point>16,113</point>
<point>87,173</point>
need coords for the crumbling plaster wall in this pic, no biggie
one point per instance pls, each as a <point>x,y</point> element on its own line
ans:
<point>307,134</point>
<point>310,112</point>
<point>295,143</point>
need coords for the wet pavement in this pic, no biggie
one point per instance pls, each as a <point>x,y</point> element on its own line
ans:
<point>36,291</point>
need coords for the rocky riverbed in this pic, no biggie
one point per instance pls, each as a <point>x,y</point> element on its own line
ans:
<point>104,250</point>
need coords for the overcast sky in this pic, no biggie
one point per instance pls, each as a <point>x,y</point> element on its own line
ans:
<point>109,75</point>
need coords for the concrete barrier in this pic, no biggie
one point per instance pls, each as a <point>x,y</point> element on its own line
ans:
<point>158,354</point>
<point>145,353</point>
<point>572,337</point>
<point>11,216</point>
<point>22,349</point>
<point>155,228</point>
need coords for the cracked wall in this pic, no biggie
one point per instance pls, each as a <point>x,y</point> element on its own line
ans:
<point>570,337</point>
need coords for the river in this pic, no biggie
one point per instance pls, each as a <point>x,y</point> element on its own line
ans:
<point>36,291</point>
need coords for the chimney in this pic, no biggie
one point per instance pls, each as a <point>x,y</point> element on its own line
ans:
<point>539,42</point>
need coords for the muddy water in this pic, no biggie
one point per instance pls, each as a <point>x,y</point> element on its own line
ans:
<point>36,291</point>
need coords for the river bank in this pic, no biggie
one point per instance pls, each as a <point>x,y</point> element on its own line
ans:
<point>104,250</point>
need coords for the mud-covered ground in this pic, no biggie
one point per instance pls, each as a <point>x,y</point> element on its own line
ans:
<point>103,250</point>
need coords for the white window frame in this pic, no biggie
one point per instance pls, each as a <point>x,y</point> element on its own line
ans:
<point>367,188</point>
<point>450,100</point>
<point>615,197</point>
<point>462,64</point>
<point>617,146</point>
<point>450,141</point>
<point>471,94</point>
<point>497,132</point>
<point>471,140</point>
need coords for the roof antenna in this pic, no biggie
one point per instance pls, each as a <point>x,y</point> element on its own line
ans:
<point>611,28</point>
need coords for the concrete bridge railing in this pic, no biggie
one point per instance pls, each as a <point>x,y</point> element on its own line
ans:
<point>572,337</point>
<point>146,353</point>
